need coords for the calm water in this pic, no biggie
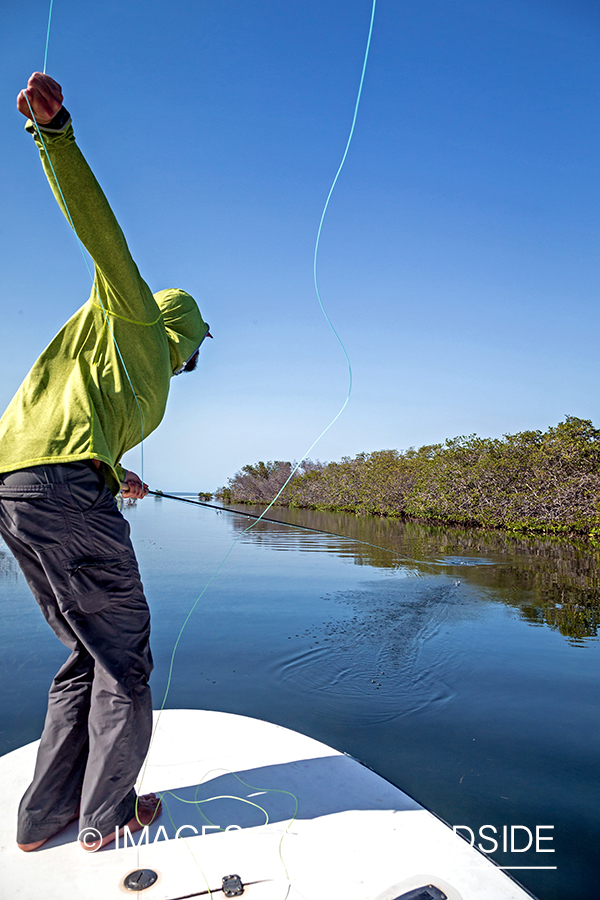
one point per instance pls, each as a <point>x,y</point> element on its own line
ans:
<point>462,666</point>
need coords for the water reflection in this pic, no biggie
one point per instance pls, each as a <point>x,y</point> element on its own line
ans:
<point>550,581</point>
<point>9,570</point>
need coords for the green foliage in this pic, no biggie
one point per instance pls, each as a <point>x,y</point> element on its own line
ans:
<point>260,482</point>
<point>533,481</point>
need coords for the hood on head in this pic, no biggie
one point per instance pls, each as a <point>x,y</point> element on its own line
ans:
<point>185,327</point>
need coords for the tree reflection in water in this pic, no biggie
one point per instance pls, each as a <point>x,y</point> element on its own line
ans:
<point>551,581</point>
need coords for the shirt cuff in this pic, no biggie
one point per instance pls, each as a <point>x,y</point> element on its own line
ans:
<point>59,123</point>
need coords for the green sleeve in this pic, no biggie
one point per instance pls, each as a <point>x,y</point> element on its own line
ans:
<point>117,282</point>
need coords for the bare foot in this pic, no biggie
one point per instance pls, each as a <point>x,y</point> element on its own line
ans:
<point>147,809</point>
<point>34,846</point>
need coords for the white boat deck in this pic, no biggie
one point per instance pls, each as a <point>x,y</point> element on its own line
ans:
<point>354,836</point>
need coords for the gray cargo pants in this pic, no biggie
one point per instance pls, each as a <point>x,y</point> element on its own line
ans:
<point>62,524</point>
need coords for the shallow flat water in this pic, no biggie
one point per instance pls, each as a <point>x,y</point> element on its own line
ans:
<point>462,666</point>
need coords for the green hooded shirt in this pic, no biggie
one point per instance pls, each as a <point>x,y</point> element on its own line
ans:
<point>77,402</point>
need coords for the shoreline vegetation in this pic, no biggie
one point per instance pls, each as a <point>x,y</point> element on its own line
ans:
<point>530,482</point>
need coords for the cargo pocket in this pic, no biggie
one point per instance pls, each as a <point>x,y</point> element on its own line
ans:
<point>35,514</point>
<point>97,582</point>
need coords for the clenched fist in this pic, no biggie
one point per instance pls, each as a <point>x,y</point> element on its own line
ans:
<point>45,98</point>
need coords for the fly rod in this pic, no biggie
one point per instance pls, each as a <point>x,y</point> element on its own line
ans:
<point>239,512</point>
<point>249,515</point>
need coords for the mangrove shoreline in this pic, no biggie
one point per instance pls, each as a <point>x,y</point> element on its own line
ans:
<point>536,482</point>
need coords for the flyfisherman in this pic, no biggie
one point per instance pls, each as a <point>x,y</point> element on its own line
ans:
<point>97,390</point>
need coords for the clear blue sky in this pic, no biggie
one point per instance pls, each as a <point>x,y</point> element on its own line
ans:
<point>460,256</point>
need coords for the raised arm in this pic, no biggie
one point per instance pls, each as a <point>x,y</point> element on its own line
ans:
<point>118,281</point>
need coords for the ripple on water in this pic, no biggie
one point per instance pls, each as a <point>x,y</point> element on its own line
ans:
<point>366,667</point>
<point>466,561</point>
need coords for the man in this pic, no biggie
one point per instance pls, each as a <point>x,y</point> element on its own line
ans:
<point>99,388</point>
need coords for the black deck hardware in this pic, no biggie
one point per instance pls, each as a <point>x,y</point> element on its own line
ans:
<point>232,886</point>
<point>140,879</point>
<point>427,892</point>
<point>235,888</point>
